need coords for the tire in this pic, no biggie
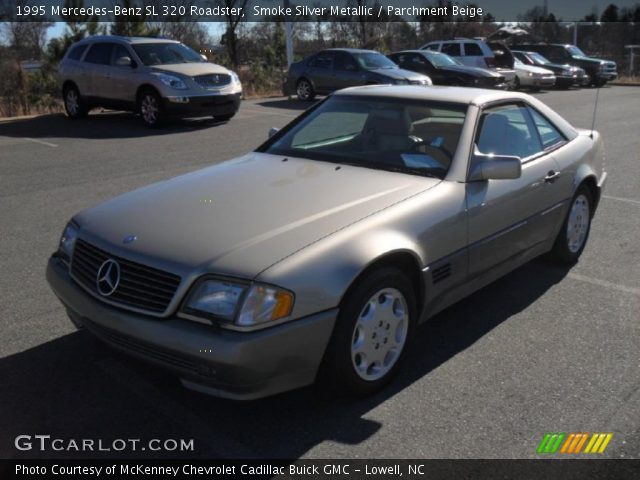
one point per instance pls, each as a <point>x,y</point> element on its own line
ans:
<point>305,90</point>
<point>377,318</point>
<point>73,103</point>
<point>150,108</point>
<point>573,235</point>
<point>224,118</point>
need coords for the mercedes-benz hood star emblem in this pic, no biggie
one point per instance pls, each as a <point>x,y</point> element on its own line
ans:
<point>108,277</point>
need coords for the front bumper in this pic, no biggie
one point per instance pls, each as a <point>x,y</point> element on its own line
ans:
<point>237,365</point>
<point>216,105</point>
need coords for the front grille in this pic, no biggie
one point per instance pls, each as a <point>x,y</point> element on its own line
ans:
<point>214,80</point>
<point>140,287</point>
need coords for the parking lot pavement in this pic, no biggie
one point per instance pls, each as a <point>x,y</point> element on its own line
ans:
<point>545,349</point>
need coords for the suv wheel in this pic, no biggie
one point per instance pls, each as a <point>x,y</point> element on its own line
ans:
<point>73,104</point>
<point>150,108</point>
<point>304,90</point>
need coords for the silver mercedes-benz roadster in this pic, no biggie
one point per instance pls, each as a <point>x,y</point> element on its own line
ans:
<point>317,255</point>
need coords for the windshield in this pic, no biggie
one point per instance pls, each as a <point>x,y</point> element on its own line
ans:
<point>576,52</point>
<point>401,135</point>
<point>166,53</point>
<point>371,60</point>
<point>539,59</point>
<point>441,60</point>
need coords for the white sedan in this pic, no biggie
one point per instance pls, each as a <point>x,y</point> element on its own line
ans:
<point>533,77</point>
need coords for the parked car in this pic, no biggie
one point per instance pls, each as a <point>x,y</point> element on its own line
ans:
<point>333,69</point>
<point>566,75</point>
<point>444,70</point>
<point>530,76</point>
<point>154,77</point>
<point>316,255</point>
<point>600,71</point>
<point>478,53</point>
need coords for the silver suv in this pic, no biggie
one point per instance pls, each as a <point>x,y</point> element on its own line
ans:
<point>151,76</point>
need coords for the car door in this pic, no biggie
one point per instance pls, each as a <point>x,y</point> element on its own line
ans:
<point>98,63</point>
<point>321,71</point>
<point>454,50</point>
<point>473,55</point>
<point>120,80</point>
<point>346,72</point>
<point>507,218</point>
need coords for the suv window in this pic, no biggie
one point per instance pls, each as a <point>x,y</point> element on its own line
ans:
<point>508,130</point>
<point>118,52</point>
<point>452,49</point>
<point>99,53</point>
<point>549,134</point>
<point>472,50</point>
<point>76,52</point>
<point>322,60</point>
<point>433,46</point>
<point>344,61</point>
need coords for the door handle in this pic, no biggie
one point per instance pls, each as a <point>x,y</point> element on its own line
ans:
<point>552,176</point>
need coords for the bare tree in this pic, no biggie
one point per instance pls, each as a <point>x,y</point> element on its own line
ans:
<point>230,38</point>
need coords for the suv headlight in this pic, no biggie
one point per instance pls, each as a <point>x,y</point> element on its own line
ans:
<point>236,303</point>
<point>68,241</point>
<point>172,82</point>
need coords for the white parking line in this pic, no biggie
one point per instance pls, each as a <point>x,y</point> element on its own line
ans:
<point>605,284</point>
<point>619,199</point>
<point>41,142</point>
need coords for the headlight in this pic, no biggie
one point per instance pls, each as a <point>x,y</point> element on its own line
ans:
<point>566,72</point>
<point>530,74</point>
<point>234,77</point>
<point>238,304</point>
<point>171,81</point>
<point>68,240</point>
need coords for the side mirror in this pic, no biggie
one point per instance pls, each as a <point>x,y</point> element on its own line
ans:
<point>494,167</point>
<point>273,131</point>
<point>124,61</point>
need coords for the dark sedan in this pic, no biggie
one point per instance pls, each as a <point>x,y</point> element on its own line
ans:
<point>444,70</point>
<point>566,75</point>
<point>338,68</point>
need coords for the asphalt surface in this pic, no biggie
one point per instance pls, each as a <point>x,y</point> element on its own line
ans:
<point>545,349</point>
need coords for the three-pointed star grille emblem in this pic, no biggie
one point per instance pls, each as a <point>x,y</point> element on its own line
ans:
<point>108,277</point>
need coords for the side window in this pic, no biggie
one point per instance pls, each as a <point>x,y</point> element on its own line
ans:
<point>323,60</point>
<point>452,49</point>
<point>549,134</point>
<point>344,61</point>
<point>433,46</point>
<point>472,50</point>
<point>99,53</point>
<point>76,52</point>
<point>508,130</point>
<point>557,54</point>
<point>418,60</point>
<point>118,52</point>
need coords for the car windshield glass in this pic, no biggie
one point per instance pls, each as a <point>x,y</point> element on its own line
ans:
<point>539,59</point>
<point>372,60</point>
<point>575,51</point>
<point>442,60</point>
<point>166,53</point>
<point>401,135</point>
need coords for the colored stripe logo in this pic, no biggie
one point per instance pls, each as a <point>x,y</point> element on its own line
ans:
<point>573,443</point>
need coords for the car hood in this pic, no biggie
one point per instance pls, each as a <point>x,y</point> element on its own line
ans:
<point>475,71</point>
<point>191,69</point>
<point>398,73</point>
<point>242,216</point>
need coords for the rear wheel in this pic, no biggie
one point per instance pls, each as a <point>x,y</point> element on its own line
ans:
<point>574,233</point>
<point>304,90</point>
<point>150,108</point>
<point>73,103</point>
<point>373,330</point>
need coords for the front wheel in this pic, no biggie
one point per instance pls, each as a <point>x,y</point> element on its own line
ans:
<point>574,233</point>
<point>373,330</point>
<point>150,107</point>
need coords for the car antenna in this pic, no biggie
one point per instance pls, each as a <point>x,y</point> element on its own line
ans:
<point>595,108</point>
